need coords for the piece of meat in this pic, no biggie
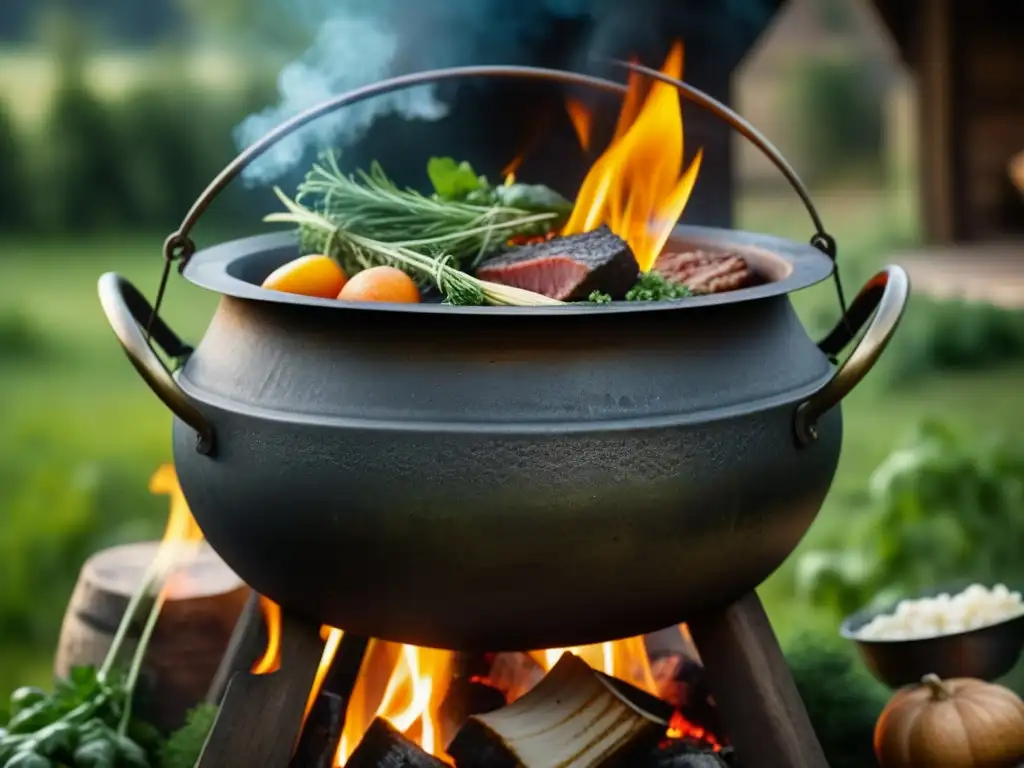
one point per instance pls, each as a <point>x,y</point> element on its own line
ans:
<point>704,271</point>
<point>567,268</point>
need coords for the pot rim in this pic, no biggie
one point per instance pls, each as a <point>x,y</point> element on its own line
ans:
<point>792,266</point>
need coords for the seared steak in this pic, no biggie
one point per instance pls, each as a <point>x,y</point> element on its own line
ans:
<point>705,272</point>
<point>567,268</point>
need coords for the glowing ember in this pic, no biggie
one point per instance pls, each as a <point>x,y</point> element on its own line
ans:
<point>638,186</point>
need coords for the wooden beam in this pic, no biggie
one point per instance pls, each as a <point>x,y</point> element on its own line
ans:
<point>935,70</point>
<point>764,717</point>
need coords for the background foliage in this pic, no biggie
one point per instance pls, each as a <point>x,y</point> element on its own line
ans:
<point>105,172</point>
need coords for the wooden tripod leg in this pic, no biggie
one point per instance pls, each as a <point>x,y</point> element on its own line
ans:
<point>754,691</point>
<point>261,715</point>
<point>246,644</point>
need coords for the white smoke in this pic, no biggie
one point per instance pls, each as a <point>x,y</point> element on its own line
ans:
<point>356,42</point>
<point>347,52</point>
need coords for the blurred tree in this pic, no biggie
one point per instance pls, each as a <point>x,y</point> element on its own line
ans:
<point>14,192</point>
<point>86,188</point>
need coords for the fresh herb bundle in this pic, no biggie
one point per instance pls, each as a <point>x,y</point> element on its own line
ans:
<point>364,252</point>
<point>86,722</point>
<point>465,218</point>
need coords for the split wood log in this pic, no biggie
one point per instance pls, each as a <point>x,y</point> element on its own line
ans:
<point>203,604</point>
<point>384,747</point>
<point>574,718</point>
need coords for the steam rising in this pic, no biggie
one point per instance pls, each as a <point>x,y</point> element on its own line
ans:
<point>357,42</point>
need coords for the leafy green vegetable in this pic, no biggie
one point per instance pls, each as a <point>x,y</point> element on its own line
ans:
<point>458,182</point>
<point>86,719</point>
<point>650,287</point>
<point>452,180</point>
<point>183,748</point>
<point>653,287</point>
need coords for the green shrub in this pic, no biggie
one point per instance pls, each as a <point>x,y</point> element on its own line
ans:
<point>19,338</point>
<point>946,335</point>
<point>945,507</point>
<point>839,107</point>
<point>14,190</point>
<point>842,699</point>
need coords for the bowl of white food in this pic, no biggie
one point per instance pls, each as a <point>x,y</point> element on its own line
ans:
<point>977,632</point>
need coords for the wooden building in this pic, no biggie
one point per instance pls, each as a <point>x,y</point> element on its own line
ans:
<point>967,57</point>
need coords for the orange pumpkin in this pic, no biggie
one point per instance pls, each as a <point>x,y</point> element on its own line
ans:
<point>958,723</point>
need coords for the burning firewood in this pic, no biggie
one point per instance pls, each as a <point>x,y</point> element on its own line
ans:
<point>704,271</point>
<point>382,746</point>
<point>574,718</point>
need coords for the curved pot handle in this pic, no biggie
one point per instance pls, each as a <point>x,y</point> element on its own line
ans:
<point>125,308</point>
<point>885,296</point>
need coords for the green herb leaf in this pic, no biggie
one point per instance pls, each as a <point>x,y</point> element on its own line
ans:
<point>130,754</point>
<point>182,749</point>
<point>100,753</point>
<point>24,697</point>
<point>653,287</point>
<point>57,739</point>
<point>599,298</point>
<point>452,180</point>
<point>531,197</point>
<point>28,760</point>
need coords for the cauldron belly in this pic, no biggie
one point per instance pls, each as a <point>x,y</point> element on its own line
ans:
<point>468,539</point>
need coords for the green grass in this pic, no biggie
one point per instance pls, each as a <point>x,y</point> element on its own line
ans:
<point>69,400</point>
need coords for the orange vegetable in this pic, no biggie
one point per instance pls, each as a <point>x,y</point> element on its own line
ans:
<point>381,284</point>
<point>308,276</point>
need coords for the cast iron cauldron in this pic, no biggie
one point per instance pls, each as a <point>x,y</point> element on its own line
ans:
<point>481,477</point>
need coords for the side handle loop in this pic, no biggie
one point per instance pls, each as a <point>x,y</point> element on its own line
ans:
<point>126,309</point>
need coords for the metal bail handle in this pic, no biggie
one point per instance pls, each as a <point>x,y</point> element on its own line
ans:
<point>178,246</point>
<point>880,306</point>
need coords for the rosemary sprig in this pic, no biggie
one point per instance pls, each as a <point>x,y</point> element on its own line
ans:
<point>349,246</point>
<point>371,205</point>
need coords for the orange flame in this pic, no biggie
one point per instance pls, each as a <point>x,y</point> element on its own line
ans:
<point>271,659</point>
<point>181,534</point>
<point>638,186</point>
<point>625,659</point>
<point>582,121</point>
<point>405,685</point>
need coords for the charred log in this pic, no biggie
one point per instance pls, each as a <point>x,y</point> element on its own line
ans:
<point>681,754</point>
<point>466,697</point>
<point>567,268</point>
<point>320,735</point>
<point>382,746</point>
<point>574,718</point>
<point>681,682</point>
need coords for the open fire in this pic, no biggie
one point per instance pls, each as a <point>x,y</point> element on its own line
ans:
<point>409,687</point>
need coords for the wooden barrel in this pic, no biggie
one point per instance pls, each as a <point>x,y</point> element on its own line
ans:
<point>190,637</point>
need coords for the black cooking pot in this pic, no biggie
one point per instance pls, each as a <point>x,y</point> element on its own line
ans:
<point>515,477</point>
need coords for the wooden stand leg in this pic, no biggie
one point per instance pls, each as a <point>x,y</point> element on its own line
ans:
<point>245,646</point>
<point>261,715</point>
<point>754,691</point>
